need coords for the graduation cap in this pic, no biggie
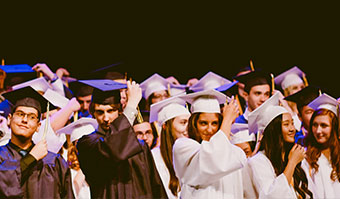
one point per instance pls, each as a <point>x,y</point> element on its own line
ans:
<point>304,96</point>
<point>290,77</point>
<point>79,89</point>
<point>38,84</point>
<point>79,128</point>
<point>55,98</point>
<point>27,96</point>
<point>207,101</point>
<point>167,109</point>
<point>5,108</point>
<point>259,119</point>
<point>254,78</point>
<point>105,91</point>
<point>153,84</point>
<point>15,74</point>
<point>176,89</point>
<point>326,102</point>
<point>240,134</point>
<point>18,68</point>
<point>209,81</point>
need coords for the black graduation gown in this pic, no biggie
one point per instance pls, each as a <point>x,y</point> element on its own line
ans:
<point>46,178</point>
<point>116,165</point>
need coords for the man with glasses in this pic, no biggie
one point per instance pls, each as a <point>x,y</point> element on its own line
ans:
<point>29,170</point>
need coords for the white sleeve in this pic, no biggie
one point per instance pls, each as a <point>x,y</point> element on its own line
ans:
<point>267,184</point>
<point>205,163</point>
<point>58,87</point>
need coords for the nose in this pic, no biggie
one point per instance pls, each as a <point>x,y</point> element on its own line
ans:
<point>24,119</point>
<point>106,117</point>
<point>210,129</point>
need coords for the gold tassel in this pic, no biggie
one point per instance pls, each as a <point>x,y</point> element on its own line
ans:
<point>251,66</point>
<point>304,79</point>
<point>273,82</point>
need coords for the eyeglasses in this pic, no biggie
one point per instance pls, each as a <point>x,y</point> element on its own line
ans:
<point>30,116</point>
<point>140,134</point>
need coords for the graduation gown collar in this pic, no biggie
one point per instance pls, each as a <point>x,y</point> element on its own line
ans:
<point>21,151</point>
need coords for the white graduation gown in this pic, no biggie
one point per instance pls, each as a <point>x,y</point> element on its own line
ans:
<point>266,182</point>
<point>54,141</point>
<point>163,171</point>
<point>211,169</point>
<point>321,184</point>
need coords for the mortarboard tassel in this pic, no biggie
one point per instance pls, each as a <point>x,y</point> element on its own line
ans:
<point>3,62</point>
<point>47,120</point>
<point>169,91</point>
<point>239,105</point>
<point>304,79</point>
<point>251,66</point>
<point>273,82</point>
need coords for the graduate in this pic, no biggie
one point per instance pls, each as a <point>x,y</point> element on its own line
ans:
<point>29,170</point>
<point>322,163</point>
<point>257,90</point>
<point>292,81</point>
<point>144,130</point>
<point>173,116</point>
<point>207,164</point>
<point>115,163</point>
<point>302,98</point>
<point>276,169</point>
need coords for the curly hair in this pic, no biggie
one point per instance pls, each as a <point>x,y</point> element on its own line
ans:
<point>274,146</point>
<point>314,149</point>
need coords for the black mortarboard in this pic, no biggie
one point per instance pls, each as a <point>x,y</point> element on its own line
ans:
<point>16,74</point>
<point>229,89</point>
<point>254,78</point>
<point>26,96</point>
<point>304,96</point>
<point>79,89</point>
<point>105,91</point>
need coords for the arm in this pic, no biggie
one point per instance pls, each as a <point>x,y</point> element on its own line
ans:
<point>60,118</point>
<point>266,183</point>
<point>205,163</point>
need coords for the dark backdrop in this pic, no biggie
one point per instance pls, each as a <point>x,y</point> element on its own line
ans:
<point>181,39</point>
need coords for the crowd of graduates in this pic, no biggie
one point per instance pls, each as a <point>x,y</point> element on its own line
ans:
<point>257,135</point>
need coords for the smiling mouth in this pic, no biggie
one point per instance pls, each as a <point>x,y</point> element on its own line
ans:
<point>23,127</point>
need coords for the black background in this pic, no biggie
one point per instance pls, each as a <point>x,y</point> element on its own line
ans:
<point>175,38</point>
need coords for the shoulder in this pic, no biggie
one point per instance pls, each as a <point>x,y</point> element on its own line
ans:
<point>52,158</point>
<point>3,151</point>
<point>185,145</point>
<point>257,158</point>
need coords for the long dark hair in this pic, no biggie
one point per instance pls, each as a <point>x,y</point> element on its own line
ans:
<point>314,149</point>
<point>192,126</point>
<point>167,141</point>
<point>274,146</point>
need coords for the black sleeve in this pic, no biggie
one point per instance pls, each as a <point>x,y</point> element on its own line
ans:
<point>96,152</point>
<point>65,179</point>
<point>26,163</point>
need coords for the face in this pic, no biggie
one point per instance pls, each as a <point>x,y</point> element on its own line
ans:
<point>306,114</point>
<point>207,125</point>
<point>257,95</point>
<point>144,132</point>
<point>294,88</point>
<point>180,126</point>
<point>321,128</point>
<point>105,115</point>
<point>245,146</point>
<point>159,96</point>
<point>24,122</point>
<point>287,127</point>
<point>84,102</point>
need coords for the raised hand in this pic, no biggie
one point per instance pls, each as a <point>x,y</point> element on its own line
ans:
<point>42,67</point>
<point>39,151</point>
<point>134,93</point>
